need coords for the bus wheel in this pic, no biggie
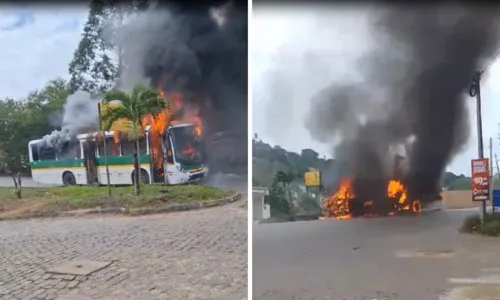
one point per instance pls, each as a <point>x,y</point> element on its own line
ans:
<point>143,177</point>
<point>69,179</point>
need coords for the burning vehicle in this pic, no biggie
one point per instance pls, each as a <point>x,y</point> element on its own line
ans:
<point>194,54</point>
<point>171,152</point>
<point>412,96</point>
<point>343,204</point>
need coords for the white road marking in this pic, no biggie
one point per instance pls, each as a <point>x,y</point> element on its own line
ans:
<point>425,254</point>
<point>479,280</point>
<point>473,293</point>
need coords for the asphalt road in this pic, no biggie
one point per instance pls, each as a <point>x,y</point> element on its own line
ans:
<point>26,182</point>
<point>407,258</point>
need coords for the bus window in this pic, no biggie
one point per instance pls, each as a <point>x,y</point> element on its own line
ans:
<point>128,147</point>
<point>143,146</point>
<point>170,155</point>
<point>46,153</point>
<point>78,150</point>
<point>70,150</point>
<point>34,152</point>
<point>112,149</point>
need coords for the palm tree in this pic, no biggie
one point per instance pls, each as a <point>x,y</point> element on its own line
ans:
<point>125,112</point>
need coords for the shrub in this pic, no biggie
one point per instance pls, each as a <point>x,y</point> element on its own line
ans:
<point>490,226</point>
<point>471,224</point>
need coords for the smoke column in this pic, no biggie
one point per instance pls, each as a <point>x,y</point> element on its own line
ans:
<point>426,64</point>
<point>198,50</point>
<point>80,115</point>
<point>201,52</point>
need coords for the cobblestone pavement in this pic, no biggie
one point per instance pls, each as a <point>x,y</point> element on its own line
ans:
<point>404,258</point>
<point>191,255</point>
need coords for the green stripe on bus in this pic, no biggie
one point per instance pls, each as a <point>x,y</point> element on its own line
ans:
<point>67,163</point>
<point>77,163</point>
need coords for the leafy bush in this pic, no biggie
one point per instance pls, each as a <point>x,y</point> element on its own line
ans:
<point>490,226</point>
<point>471,224</point>
<point>277,201</point>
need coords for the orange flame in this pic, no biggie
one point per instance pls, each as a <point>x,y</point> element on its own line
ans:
<point>116,143</point>
<point>338,205</point>
<point>160,123</point>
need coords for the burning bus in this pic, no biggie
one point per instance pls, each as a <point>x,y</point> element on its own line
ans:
<point>377,196</point>
<point>178,158</point>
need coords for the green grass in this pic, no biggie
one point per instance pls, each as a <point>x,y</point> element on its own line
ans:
<point>490,226</point>
<point>87,197</point>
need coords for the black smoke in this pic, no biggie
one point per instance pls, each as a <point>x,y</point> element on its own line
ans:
<point>189,51</point>
<point>428,58</point>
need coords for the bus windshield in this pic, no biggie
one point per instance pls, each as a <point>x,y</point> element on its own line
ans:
<point>188,146</point>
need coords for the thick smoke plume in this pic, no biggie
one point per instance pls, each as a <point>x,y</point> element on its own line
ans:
<point>80,115</point>
<point>197,50</point>
<point>426,65</point>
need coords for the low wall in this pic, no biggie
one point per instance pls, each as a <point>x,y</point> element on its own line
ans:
<point>459,199</point>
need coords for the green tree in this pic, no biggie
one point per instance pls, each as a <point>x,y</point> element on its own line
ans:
<point>98,59</point>
<point>134,107</point>
<point>278,202</point>
<point>286,178</point>
<point>28,119</point>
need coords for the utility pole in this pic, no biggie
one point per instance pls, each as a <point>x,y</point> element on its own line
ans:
<point>475,91</point>
<point>498,167</point>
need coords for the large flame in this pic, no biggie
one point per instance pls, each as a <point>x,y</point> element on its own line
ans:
<point>161,122</point>
<point>158,125</point>
<point>338,205</point>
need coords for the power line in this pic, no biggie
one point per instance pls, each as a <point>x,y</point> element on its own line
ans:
<point>497,55</point>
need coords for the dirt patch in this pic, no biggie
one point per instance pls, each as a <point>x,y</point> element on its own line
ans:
<point>14,211</point>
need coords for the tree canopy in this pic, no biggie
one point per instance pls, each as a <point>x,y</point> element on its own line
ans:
<point>22,120</point>
<point>98,59</point>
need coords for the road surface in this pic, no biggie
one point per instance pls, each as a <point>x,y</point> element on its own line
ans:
<point>26,182</point>
<point>191,255</point>
<point>406,258</point>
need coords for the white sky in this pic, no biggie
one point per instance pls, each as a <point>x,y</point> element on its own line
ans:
<point>38,43</point>
<point>312,47</point>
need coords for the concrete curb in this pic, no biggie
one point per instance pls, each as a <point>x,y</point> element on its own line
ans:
<point>175,207</point>
<point>182,207</point>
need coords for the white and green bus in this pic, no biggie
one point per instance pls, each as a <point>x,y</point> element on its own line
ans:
<point>81,161</point>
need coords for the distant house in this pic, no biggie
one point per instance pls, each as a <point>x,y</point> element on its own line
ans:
<point>261,210</point>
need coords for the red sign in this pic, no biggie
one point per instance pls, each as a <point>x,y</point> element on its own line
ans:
<point>480,179</point>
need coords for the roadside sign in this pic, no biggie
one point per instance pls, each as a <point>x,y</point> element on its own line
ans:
<point>480,179</point>
<point>312,178</point>
<point>496,198</point>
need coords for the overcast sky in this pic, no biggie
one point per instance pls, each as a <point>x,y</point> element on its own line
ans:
<point>38,43</point>
<point>307,49</point>
<point>297,52</point>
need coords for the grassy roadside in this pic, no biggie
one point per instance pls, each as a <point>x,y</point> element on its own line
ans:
<point>490,226</point>
<point>56,199</point>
